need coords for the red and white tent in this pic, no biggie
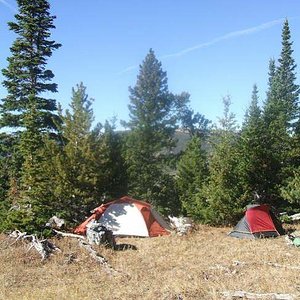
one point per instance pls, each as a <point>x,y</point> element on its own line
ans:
<point>128,217</point>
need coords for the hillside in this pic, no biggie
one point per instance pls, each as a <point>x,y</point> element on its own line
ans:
<point>200,265</point>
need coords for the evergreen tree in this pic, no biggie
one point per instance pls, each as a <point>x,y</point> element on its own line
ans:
<point>283,94</point>
<point>116,183</point>
<point>4,177</point>
<point>194,123</point>
<point>281,114</point>
<point>27,77</point>
<point>192,172</point>
<point>10,164</point>
<point>272,72</point>
<point>89,167</point>
<point>291,190</point>
<point>222,190</point>
<point>152,124</point>
<point>253,157</point>
<point>25,109</point>
<point>31,207</point>
<point>78,189</point>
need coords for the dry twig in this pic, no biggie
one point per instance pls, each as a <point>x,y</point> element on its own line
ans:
<point>246,295</point>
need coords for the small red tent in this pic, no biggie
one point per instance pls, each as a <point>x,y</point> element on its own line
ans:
<point>128,217</point>
<point>259,221</point>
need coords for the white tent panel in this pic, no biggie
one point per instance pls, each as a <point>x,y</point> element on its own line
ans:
<point>124,219</point>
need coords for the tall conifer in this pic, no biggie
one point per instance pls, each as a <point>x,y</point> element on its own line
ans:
<point>25,110</point>
<point>281,115</point>
<point>27,76</point>
<point>152,125</point>
<point>253,154</point>
<point>192,172</point>
<point>222,190</point>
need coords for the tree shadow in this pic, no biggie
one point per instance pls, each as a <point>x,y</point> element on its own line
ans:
<point>124,247</point>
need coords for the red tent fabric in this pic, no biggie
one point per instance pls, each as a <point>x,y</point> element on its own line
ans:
<point>259,219</point>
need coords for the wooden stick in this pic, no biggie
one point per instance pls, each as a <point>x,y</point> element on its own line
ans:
<point>69,234</point>
<point>275,265</point>
<point>282,266</point>
<point>246,295</point>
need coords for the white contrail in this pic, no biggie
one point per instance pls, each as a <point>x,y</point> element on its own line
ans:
<point>214,41</point>
<point>128,69</point>
<point>8,5</point>
<point>227,36</point>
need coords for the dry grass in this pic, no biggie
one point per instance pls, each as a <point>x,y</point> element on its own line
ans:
<point>197,266</point>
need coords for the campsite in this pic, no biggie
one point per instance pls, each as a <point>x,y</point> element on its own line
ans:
<point>201,265</point>
<point>175,259</point>
<point>149,150</point>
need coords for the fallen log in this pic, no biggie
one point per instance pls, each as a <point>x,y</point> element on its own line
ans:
<point>247,295</point>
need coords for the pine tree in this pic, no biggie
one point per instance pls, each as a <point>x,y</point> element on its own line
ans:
<point>283,94</point>
<point>116,183</point>
<point>4,176</point>
<point>152,124</point>
<point>254,160</point>
<point>88,169</point>
<point>222,190</point>
<point>192,172</point>
<point>272,72</point>
<point>195,124</point>
<point>78,189</point>
<point>27,77</point>
<point>10,164</point>
<point>291,190</point>
<point>281,114</point>
<point>27,112</point>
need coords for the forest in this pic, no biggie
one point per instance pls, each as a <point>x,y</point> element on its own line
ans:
<point>57,162</point>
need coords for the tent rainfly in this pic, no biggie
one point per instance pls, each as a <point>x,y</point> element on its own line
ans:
<point>258,222</point>
<point>128,217</point>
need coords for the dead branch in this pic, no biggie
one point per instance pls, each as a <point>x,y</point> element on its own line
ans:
<point>275,265</point>
<point>17,235</point>
<point>72,235</point>
<point>242,264</point>
<point>282,266</point>
<point>181,225</point>
<point>99,258</point>
<point>43,247</point>
<point>295,217</point>
<point>246,295</point>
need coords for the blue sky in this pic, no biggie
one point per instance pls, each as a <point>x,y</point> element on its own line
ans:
<point>209,48</point>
